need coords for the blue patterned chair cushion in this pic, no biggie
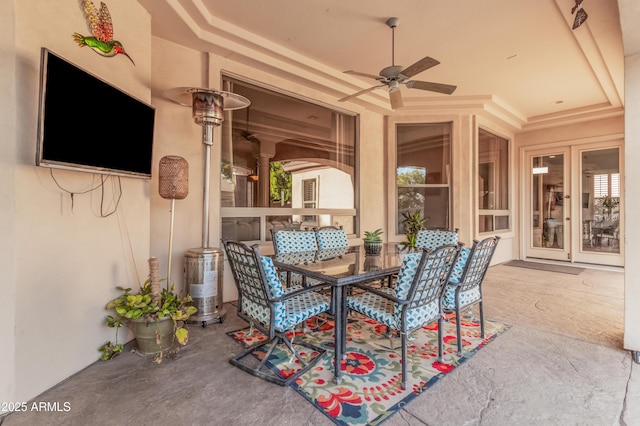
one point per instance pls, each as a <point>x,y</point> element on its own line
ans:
<point>291,311</point>
<point>301,307</point>
<point>433,238</point>
<point>331,238</point>
<point>254,310</point>
<point>272,276</point>
<point>407,272</point>
<point>294,241</point>
<point>456,274</point>
<point>388,312</point>
<point>275,278</point>
<point>466,297</point>
<point>384,310</point>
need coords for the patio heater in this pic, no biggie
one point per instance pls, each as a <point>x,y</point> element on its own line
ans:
<point>204,266</point>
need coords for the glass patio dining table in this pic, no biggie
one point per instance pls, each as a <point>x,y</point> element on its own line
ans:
<point>342,267</point>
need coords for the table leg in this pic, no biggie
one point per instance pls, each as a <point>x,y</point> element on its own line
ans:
<point>345,323</point>
<point>338,349</point>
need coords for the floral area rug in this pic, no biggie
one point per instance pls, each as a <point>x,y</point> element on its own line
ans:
<point>371,390</point>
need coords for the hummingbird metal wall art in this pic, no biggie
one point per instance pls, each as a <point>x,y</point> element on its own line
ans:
<point>101,27</point>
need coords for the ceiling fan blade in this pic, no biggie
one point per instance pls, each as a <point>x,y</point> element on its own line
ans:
<point>396,99</point>
<point>362,92</point>
<point>363,74</point>
<point>447,89</point>
<point>423,64</point>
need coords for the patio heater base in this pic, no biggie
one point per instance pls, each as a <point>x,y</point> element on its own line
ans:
<point>203,276</point>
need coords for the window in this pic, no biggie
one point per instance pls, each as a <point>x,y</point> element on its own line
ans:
<point>309,197</point>
<point>493,183</point>
<point>309,193</point>
<point>606,194</point>
<point>274,155</point>
<point>605,185</point>
<point>423,153</point>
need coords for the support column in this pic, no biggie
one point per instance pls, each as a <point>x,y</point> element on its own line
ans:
<point>263,179</point>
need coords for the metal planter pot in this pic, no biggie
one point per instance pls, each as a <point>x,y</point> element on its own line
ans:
<point>372,248</point>
<point>148,334</point>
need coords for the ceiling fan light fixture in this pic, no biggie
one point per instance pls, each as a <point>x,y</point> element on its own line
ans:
<point>395,75</point>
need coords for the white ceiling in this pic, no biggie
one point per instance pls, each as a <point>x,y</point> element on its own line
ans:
<point>516,59</point>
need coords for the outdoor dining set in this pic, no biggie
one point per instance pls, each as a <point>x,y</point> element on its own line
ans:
<point>316,273</point>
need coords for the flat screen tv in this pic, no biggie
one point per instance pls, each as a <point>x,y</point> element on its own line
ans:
<point>88,125</point>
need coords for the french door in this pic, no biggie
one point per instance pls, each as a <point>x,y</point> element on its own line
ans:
<point>573,204</point>
<point>599,231</point>
<point>548,202</point>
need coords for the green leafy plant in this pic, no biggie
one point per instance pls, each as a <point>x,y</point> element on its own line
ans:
<point>111,349</point>
<point>280,182</point>
<point>608,204</point>
<point>373,236</point>
<point>412,223</point>
<point>151,305</point>
<point>372,242</point>
<point>226,171</point>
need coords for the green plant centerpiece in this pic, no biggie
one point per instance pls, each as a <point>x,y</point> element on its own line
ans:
<point>608,205</point>
<point>157,318</point>
<point>372,242</point>
<point>412,223</point>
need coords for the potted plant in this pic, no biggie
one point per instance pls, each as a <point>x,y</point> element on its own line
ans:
<point>412,223</point>
<point>372,241</point>
<point>157,317</point>
<point>608,204</point>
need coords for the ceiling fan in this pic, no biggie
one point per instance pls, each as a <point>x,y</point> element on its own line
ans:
<point>246,135</point>
<point>393,76</point>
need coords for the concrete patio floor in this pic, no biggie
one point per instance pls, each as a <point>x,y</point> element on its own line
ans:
<point>561,363</point>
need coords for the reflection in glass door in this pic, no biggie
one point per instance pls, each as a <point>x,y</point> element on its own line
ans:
<point>549,206</point>
<point>600,188</point>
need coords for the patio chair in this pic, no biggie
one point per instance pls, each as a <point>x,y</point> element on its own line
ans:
<point>274,311</point>
<point>330,237</point>
<point>465,285</point>
<point>287,241</point>
<point>302,242</point>
<point>415,299</point>
<point>432,238</point>
<point>332,242</point>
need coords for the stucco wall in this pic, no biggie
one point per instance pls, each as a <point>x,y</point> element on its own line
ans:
<point>632,204</point>
<point>177,134</point>
<point>68,260</point>
<point>8,142</point>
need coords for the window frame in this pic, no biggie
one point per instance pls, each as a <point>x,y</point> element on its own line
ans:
<point>478,160</point>
<point>261,214</point>
<point>393,206</point>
